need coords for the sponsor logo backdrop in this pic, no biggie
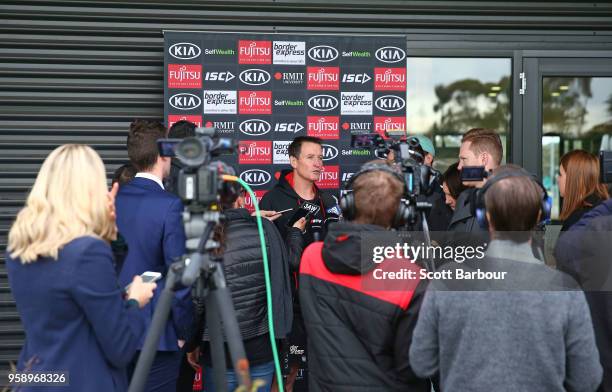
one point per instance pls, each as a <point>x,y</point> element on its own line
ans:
<point>264,90</point>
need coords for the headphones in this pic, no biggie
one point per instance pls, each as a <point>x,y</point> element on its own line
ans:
<point>480,207</point>
<point>347,201</point>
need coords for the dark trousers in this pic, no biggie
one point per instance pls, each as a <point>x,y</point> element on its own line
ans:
<point>164,371</point>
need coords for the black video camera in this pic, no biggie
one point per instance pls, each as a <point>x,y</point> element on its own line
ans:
<point>199,182</point>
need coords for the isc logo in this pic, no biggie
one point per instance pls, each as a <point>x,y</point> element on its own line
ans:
<point>288,127</point>
<point>356,78</point>
<point>184,51</point>
<point>219,76</point>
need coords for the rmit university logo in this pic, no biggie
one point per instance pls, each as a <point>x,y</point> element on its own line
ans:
<point>390,79</point>
<point>221,126</point>
<point>324,127</point>
<point>254,127</point>
<point>323,103</point>
<point>323,78</point>
<point>254,152</point>
<point>329,152</point>
<point>323,53</point>
<point>185,101</point>
<point>361,78</point>
<point>255,77</point>
<point>255,102</point>
<point>248,202</point>
<point>174,118</point>
<point>184,51</point>
<point>384,124</point>
<point>254,52</point>
<point>255,177</point>
<point>390,103</point>
<point>225,76</point>
<point>290,78</point>
<point>329,178</point>
<point>390,54</point>
<point>184,76</point>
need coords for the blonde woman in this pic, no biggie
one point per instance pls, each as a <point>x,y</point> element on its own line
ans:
<point>61,274</point>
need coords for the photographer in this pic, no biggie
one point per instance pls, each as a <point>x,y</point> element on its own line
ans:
<point>60,269</point>
<point>244,273</point>
<point>358,339</point>
<point>535,317</point>
<point>479,147</point>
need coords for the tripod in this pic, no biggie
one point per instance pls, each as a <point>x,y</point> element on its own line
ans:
<point>205,272</point>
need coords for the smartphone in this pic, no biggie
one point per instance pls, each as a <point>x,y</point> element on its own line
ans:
<point>300,213</point>
<point>147,277</point>
<point>473,173</point>
<point>166,147</point>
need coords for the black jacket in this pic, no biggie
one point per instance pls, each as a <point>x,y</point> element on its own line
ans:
<point>357,339</point>
<point>282,196</point>
<point>244,273</point>
<point>575,216</point>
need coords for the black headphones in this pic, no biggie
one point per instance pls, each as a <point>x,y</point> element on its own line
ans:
<point>347,201</point>
<point>480,207</point>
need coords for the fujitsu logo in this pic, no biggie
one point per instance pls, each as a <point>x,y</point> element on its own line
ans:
<point>254,77</point>
<point>322,125</point>
<point>328,175</point>
<point>390,103</point>
<point>252,50</point>
<point>183,73</point>
<point>356,78</point>
<point>255,177</point>
<point>390,77</point>
<point>184,51</point>
<point>253,100</point>
<point>219,76</point>
<point>323,53</point>
<point>390,54</point>
<point>255,127</point>
<point>185,101</point>
<point>321,75</point>
<point>323,103</point>
<point>252,150</point>
<point>389,125</point>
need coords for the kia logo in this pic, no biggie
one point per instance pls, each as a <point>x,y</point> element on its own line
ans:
<point>390,103</point>
<point>254,77</point>
<point>323,103</point>
<point>255,177</point>
<point>184,51</point>
<point>185,101</point>
<point>390,54</point>
<point>329,152</point>
<point>254,127</point>
<point>323,53</point>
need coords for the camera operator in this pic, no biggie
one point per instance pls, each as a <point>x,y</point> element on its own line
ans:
<point>535,317</point>
<point>358,339</point>
<point>244,273</point>
<point>479,147</point>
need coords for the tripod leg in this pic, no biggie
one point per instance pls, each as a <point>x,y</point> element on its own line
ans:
<point>216,342</point>
<point>226,309</point>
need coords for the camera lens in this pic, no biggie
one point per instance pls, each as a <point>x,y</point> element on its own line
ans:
<point>192,152</point>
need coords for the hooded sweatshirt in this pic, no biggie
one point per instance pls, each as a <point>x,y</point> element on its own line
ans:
<point>358,339</point>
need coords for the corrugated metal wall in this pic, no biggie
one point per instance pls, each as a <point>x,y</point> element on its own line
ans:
<point>80,71</point>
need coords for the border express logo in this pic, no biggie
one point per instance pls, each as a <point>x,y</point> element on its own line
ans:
<point>219,102</point>
<point>289,53</point>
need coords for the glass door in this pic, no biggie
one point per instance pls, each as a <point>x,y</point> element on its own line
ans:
<point>567,105</point>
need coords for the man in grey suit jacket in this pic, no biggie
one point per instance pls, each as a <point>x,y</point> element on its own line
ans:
<point>528,331</point>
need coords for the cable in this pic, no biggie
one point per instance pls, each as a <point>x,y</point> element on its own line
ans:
<point>262,240</point>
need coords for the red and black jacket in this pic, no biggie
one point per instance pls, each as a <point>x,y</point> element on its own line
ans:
<point>358,336</point>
